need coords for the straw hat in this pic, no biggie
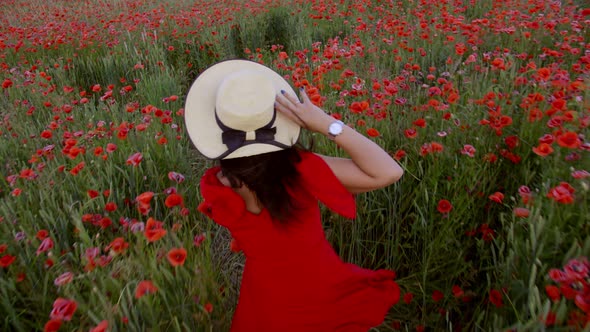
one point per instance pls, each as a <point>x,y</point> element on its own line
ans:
<point>230,113</point>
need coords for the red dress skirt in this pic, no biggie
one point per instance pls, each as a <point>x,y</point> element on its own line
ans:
<point>293,280</point>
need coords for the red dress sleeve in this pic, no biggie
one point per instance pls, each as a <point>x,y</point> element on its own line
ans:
<point>221,203</point>
<point>319,180</point>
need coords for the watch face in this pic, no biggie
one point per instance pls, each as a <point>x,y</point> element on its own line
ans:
<point>335,128</point>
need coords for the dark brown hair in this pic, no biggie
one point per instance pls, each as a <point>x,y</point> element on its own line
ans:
<point>267,175</point>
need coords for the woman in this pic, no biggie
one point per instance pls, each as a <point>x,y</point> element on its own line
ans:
<point>265,191</point>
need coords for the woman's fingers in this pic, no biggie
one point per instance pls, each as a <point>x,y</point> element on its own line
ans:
<point>282,100</point>
<point>296,110</point>
<point>304,96</point>
<point>289,113</point>
<point>293,99</point>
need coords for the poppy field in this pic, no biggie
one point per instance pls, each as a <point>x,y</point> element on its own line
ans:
<point>485,104</point>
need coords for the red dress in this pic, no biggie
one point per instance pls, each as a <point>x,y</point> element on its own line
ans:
<point>293,280</point>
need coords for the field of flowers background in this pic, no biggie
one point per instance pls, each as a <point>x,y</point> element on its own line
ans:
<point>484,103</point>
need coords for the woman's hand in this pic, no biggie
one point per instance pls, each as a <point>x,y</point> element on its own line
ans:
<point>305,113</point>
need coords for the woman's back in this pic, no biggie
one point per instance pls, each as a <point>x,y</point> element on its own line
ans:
<point>293,280</point>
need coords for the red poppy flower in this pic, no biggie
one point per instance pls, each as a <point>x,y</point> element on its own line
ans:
<point>154,230</point>
<point>397,101</point>
<point>101,327</point>
<point>511,141</point>
<point>7,83</point>
<point>6,260</point>
<point>499,63</point>
<point>63,309</point>
<point>410,133</point>
<point>198,240</point>
<point>359,107</point>
<point>49,263</point>
<point>436,147</point>
<point>92,193</point>
<point>176,256</point>
<point>553,292</point>
<point>208,307</point>
<point>64,278</point>
<point>497,197</point>
<point>145,197</point>
<point>111,147</point>
<point>145,287</point>
<point>577,269</point>
<point>173,200</point>
<point>437,295</point>
<point>46,134</point>
<point>558,104</point>
<point>569,140</point>
<point>543,74</point>
<point>42,234</point>
<point>496,298</point>
<point>104,222</point>
<point>118,245</point>
<point>399,154</point>
<point>563,193</point>
<point>460,48</point>
<point>468,150</point>
<point>543,150</point>
<point>176,177</point>
<point>453,97</point>
<point>444,206</point>
<point>408,297</point>
<point>122,133</point>
<point>521,212</point>
<point>580,174</point>
<point>373,132</point>
<point>430,148</point>
<point>457,291</point>
<point>3,248</point>
<point>52,325</point>
<point>76,170</point>
<point>567,291</point>
<point>143,202</point>
<point>420,123</point>
<point>582,301</point>
<point>135,159</point>
<point>46,245</point>
<point>550,319</point>
<point>110,207</point>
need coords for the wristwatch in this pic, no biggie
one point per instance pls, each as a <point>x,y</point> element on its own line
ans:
<point>335,129</point>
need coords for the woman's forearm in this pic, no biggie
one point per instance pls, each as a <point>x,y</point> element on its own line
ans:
<point>369,156</point>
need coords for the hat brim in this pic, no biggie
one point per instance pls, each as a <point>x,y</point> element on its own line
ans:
<point>199,112</point>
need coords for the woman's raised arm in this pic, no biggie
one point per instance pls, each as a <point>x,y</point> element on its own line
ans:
<point>369,167</point>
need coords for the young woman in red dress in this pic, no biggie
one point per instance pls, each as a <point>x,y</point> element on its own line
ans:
<point>265,190</point>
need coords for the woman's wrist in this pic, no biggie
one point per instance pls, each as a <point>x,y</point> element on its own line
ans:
<point>326,126</point>
<point>323,126</point>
